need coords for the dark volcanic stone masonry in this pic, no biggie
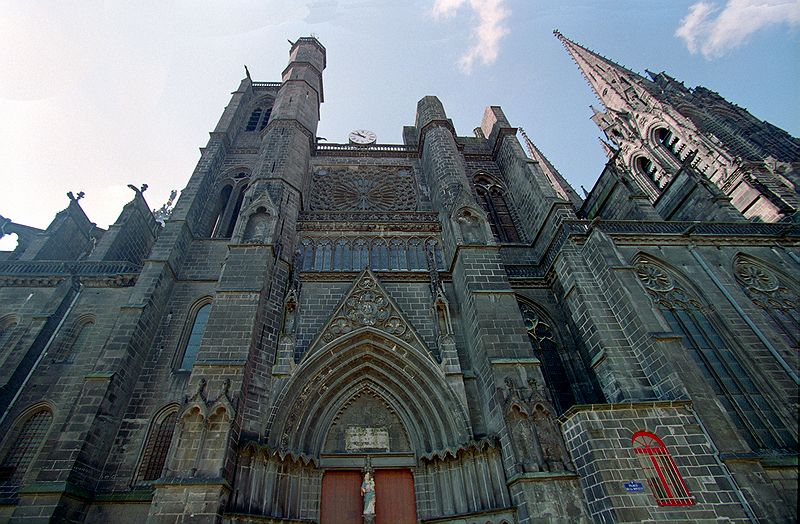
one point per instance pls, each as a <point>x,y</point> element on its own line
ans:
<point>446,314</point>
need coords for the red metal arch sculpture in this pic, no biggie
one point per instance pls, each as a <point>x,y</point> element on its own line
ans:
<point>660,470</point>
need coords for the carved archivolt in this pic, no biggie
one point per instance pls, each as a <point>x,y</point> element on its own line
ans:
<point>352,188</point>
<point>405,378</point>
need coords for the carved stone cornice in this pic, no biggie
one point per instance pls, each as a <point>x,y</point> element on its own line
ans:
<point>378,216</point>
<point>16,273</point>
<point>121,280</point>
<point>371,151</point>
<point>405,227</point>
<point>655,233</point>
<point>31,281</point>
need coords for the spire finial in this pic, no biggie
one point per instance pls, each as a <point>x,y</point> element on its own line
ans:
<point>247,72</point>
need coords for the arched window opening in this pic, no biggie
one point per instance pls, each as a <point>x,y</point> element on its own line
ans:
<point>665,138</point>
<point>380,256</point>
<point>234,214</point>
<point>219,209</point>
<point>265,119</point>
<point>229,205</point>
<point>194,336</point>
<point>546,349</point>
<point>342,256</point>
<point>416,255</point>
<point>646,167</point>
<point>436,251</point>
<point>748,408</point>
<point>360,254</point>
<point>75,341</point>
<point>492,198</point>
<point>154,455</point>
<point>660,471</point>
<point>259,119</point>
<point>779,303</point>
<point>323,258</point>
<point>252,122</point>
<point>398,260</point>
<point>308,254</point>
<point>21,454</point>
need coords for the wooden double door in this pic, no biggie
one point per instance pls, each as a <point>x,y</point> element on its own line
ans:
<point>341,501</point>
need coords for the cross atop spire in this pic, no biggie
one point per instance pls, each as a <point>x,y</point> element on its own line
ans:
<point>617,87</point>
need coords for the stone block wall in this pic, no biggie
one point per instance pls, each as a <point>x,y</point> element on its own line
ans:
<point>599,440</point>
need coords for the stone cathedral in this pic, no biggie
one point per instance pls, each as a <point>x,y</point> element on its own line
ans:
<point>441,330</point>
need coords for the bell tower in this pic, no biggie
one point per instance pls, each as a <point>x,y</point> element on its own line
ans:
<point>271,131</point>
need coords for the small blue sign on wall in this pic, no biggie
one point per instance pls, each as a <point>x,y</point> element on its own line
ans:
<point>634,486</point>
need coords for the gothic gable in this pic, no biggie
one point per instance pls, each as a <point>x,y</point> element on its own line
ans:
<point>367,305</point>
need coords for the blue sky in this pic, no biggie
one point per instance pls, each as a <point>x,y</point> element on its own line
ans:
<point>96,95</point>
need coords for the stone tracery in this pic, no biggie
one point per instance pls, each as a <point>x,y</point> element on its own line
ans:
<point>363,189</point>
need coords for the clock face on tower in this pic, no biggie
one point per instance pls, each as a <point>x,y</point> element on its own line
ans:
<point>362,137</point>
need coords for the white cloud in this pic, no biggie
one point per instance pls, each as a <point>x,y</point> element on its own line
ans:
<point>490,30</point>
<point>713,32</point>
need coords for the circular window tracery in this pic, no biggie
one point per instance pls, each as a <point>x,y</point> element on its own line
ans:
<point>363,189</point>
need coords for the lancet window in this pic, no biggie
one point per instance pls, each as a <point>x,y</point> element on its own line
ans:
<point>546,348</point>
<point>259,119</point>
<point>193,334</point>
<point>716,358</point>
<point>492,197</point>
<point>354,254</point>
<point>668,141</point>
<point>27,442</point>
<point>76,340</point>
<point>154,454</point>
<point>647,168</point>
<point>228,205</point>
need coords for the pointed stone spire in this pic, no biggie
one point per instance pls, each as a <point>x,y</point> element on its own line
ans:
<point>608,148</point>
<point>617,87</point>
<point>559,183</point>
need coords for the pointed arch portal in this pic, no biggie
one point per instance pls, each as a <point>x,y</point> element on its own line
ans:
<point>406,381</point>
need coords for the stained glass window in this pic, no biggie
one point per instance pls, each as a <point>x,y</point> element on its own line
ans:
<point>156,448</point>
<point>195,336</point>
<point>736,391</point>
<point>545,348</point>
<point>492,198</point>
<point>26,446</point>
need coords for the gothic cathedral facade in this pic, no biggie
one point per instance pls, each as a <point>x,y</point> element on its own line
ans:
<point>436,331</point>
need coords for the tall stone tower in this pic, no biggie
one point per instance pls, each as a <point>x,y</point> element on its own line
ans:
<point>435,331</point>
<point>657,125</point>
